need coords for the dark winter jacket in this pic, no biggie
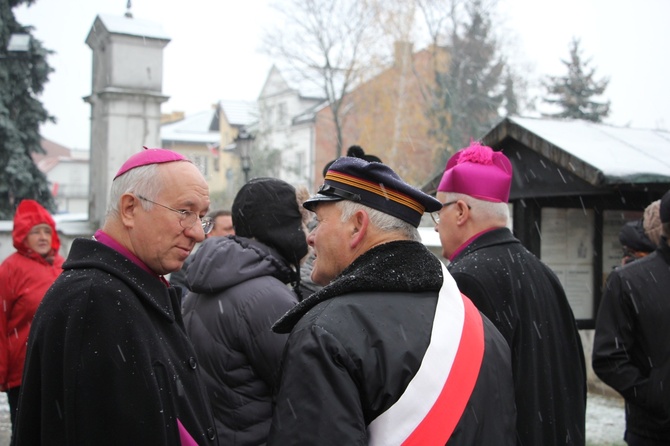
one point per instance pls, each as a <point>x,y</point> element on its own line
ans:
<point>356,344</point>
<point>526,301</point>
<point>24,278</point>
<point>178,278</point>
<point>109,362</point>
<point>239,290</point>
<point>631,348</point>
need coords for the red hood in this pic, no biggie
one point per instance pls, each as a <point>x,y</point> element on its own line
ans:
<point>28,214</point>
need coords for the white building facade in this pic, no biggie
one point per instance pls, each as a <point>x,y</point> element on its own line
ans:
<point>286,124</point>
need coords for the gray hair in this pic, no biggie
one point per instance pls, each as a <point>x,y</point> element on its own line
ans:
<point>380,220</point>
<point>143,180</point>
<point>487,209</point>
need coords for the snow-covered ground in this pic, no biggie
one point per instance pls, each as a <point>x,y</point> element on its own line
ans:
<point>5,424</point>
<point>604,421</point>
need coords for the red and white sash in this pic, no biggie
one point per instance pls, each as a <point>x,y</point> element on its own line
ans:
<point>431,406</point>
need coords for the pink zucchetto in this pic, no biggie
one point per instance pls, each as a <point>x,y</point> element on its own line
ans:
<point>149,156</point>
<point>480,172</point>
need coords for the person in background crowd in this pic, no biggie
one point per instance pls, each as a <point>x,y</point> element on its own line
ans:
<point>518,292</point>
<point>109,361</point>
<point>634,241</point>
<point>223,225</point>
<point>631,353</point>
<point>307,286</point>
<point>388,352</point>
<point>24,278</point>
<point>652,222</point>
<point>239,289</point>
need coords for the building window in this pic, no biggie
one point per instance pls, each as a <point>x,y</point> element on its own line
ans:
<point>282,115</point>
<point>202,164</point>
<point>268,115</point>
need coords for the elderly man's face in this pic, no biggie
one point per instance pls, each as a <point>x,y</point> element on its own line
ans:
<point>157,236</point>
<point>329,240</point>
<point>449,238</point>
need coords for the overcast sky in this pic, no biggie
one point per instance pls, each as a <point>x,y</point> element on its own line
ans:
<point>214,52</point>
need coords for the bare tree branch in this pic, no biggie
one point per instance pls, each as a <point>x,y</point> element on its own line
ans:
<point>325,43</point>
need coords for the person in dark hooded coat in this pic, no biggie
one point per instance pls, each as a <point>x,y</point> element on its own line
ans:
<point>240,286</point>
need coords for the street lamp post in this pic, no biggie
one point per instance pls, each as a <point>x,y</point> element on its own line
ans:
<point>246,167</point>
<point>244,140</point>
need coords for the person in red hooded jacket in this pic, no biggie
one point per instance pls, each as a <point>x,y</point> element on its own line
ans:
<point>25,276</point>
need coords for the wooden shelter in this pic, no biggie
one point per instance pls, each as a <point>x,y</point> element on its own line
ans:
<point>575,184</point>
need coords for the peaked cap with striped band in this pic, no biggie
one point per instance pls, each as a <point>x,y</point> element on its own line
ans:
<point>375,185</point>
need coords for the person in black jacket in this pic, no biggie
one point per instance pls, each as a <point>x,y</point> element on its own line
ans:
<point>631,352</point>
<point>109,361</point>
<point>240,287</point>
<point>518,292</point>
<point>634,241</point>
<point>388,351</point>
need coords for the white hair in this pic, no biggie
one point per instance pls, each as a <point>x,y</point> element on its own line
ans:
<point>143,180</point>
<point>486,209</point>
<point>381,220</point>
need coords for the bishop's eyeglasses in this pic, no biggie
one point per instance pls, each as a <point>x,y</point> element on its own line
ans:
<point>186,218</point>
<point>436,215</point>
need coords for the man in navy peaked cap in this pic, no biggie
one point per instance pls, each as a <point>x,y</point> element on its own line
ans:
<point>388,351</point>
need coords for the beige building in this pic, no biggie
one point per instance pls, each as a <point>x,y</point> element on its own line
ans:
<point>236,119</point>
<point>211,139</point>
<point>197,137</point>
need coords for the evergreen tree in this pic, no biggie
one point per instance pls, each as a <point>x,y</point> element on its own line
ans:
<point>470,95</point>
<point>574,92</point>
<point>22,79</point>
<point>511,98</point>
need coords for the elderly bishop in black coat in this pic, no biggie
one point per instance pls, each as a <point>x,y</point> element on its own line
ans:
<point>518,292</point>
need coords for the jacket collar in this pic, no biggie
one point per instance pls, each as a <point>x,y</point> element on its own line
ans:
<point>86,253</point>
<point>386,267</point>
<point>497,236</point>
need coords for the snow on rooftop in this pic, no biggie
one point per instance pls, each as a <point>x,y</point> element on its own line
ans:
<point>133,26</point>
<point>193,128</point>
<point>239,112</point>
<point>618,152</point>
